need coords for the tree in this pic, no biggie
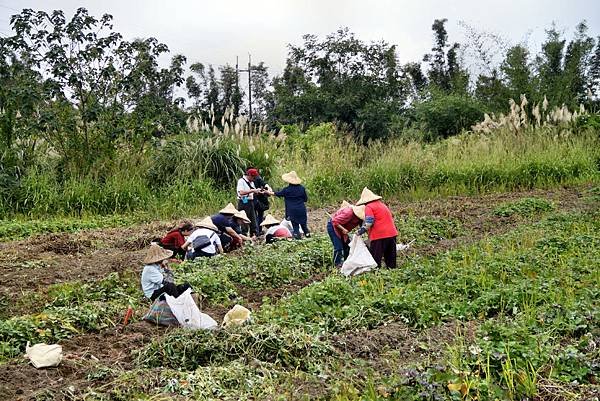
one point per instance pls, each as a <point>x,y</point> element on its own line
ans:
<point>577,64</point>
<point>518,76</point>
<point>341,79</point>
<point>98,88</point>
<point>231,95</point>
<point>445,73</point>
<point>262,96</point>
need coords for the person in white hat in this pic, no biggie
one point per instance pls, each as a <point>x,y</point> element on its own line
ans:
<point>379,223</point>
<point>274,229</point>
<point>347,218</point>
<point>157,279</point>
<point>204,241</point>
<point>295,203</point>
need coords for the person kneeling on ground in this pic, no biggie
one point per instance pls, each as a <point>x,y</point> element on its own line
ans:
<point>204,241</point>
<point>275,231</point>
<point>343,221</point>
<point>157,279</point>
<point>379,223</point>
<point>175,239</point>
<point>241,225</point>
<point>224,220</point>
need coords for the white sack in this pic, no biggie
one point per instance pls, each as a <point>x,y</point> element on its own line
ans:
<point>359,259</point>
<point>288,224</point>
<point>44,355</point>
<point>187,313</point>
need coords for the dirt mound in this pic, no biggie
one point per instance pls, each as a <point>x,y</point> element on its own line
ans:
<point>134,244</point>
<point>369,343</point>
<point>63,244</point>
<point>409,343</point>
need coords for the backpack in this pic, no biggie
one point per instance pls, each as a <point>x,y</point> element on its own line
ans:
<point>201,242</point>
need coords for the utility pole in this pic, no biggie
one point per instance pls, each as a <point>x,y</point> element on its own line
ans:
<point>249,71</point>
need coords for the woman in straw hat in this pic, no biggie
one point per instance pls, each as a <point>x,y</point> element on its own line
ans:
<point>228,230</point>
<point>295,198</point>
<point>204,241</point>
<point>274,229</point>
<point>157,279</point>
<point>339,225</point>
<point>381,228</point>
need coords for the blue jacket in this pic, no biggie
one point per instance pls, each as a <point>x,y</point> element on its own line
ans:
<point>295,198</point>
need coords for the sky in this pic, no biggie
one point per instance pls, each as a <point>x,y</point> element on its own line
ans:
<point>215,32</point>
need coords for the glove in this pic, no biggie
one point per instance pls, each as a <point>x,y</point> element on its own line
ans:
<point>361,231</point>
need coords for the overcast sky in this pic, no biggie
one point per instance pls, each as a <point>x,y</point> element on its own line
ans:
<point>214,32</point>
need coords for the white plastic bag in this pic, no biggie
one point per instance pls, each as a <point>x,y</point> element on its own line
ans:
<point>187,313</point>
<point>403,247</point>
<point>359,259</point>
<point>44,355</point>
<point>288,224</point>
<point>237,316</point>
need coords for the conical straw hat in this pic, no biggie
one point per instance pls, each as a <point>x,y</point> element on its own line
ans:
<point>229,209</point>
<point>207,223</point>
<point>359,211</point>
<point>345,204</point>
<point>367,196</point>
<point>291,178</point>
<point>269,220</point>
<point>242,215</point>
<point>156,254</point>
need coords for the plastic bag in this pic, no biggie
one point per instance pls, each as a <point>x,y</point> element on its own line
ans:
<point>187,313</point>
<point>44,355</point>
<point>288,224</point>
<point>359,259</point>
<point>160,313</point>
<point>237,316</point>
<point>403,247</point>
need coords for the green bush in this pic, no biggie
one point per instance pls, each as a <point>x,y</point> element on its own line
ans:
<point>447,115</point>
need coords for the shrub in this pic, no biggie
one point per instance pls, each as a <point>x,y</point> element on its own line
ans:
<point>447,115</point>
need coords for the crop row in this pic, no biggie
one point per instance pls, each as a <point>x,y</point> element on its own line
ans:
<point>529,291</point>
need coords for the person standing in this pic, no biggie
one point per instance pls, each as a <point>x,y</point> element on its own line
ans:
<point>339,225</point>
<point>245,194</point>
<point>261,201</point>
<point>379,223</point>
<point>295,198</point>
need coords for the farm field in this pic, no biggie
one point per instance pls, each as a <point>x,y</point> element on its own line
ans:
<point>498,299</point>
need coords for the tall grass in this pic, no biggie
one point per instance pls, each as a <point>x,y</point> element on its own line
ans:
<point>466,164</point>
<point>197,174</point>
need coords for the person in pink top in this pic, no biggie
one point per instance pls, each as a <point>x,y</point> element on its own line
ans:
<point>379,223</point>
<point>344,220</point>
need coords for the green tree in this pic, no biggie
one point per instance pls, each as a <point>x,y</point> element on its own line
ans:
<point>341,79</point>
<point>577,64</point>
<point>517,74</point>
<point>445,73</point>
